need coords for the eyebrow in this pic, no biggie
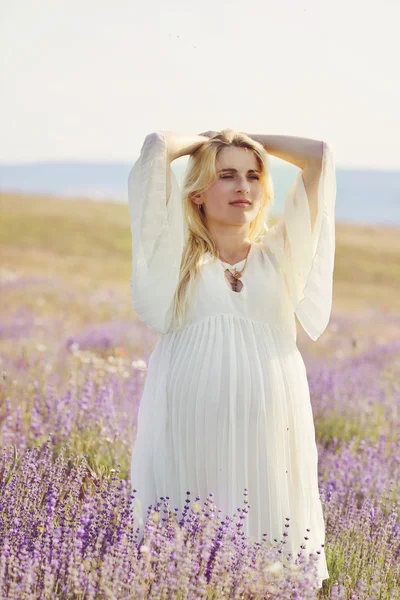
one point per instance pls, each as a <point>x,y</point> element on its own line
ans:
<point>235,170</point>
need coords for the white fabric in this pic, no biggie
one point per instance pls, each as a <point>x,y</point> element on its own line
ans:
<point>158,234</point>
<point>226,403</point>
<point>308,257</point>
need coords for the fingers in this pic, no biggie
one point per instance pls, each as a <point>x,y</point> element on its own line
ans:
<point>209,134</point>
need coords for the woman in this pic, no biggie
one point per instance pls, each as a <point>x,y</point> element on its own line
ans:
<point>226,403</point>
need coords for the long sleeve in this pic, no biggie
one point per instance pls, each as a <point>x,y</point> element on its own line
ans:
<point>307,257</point>
<point>158,234</point>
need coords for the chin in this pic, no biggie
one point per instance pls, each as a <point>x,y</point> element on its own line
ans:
<point>243,216</point>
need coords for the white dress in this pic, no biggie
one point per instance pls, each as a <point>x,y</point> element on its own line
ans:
<point>226,403</point>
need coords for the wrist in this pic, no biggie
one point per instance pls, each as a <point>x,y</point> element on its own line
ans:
<point>259,137</point>
<point>181,144</point>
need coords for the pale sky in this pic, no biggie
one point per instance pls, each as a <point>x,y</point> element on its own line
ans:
<point>89,79</point>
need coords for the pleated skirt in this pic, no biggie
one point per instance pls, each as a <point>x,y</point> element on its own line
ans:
<point>226,407</point>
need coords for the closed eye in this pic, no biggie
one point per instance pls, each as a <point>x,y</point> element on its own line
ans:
<point>230,176</point>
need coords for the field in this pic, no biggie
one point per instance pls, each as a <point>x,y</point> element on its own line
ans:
<point>73,363</point>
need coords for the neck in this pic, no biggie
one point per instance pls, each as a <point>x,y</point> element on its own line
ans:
<point>232,245</point>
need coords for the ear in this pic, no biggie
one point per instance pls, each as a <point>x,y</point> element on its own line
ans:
<point>197,199</point>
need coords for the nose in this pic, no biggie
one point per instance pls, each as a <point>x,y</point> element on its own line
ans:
<point>243,185</point>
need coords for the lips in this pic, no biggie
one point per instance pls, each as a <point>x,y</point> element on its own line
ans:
<point>241,202</point>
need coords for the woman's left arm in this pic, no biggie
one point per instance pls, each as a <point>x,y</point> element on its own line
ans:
<point>305,153</point>
<point>299,151</point>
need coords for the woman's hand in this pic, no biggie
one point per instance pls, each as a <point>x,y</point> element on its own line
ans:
<point>180,144</point>
<point>209,134</point>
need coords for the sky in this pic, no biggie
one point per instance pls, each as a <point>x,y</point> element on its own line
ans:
<point>89,79</point>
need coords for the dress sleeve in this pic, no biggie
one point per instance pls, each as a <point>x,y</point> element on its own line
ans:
<point>307,257</point>
<point>158,234</point>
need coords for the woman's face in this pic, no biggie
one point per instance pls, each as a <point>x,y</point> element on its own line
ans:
<point>238,177</point>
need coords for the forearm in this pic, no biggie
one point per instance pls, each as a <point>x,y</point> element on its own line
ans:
<point>180,144</point>
<point>296,150</point>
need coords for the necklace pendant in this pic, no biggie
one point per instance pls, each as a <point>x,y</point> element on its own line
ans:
<point>236,274</point>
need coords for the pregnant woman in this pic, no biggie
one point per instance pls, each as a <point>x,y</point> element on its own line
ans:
<point>226,403</point>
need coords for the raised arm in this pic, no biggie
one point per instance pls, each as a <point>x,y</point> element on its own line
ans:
<point>303,239</point>
<point>306,154</point>
<point>180,144</point>
<point>158,233</point>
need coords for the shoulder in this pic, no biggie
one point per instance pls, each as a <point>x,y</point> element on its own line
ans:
<point>273,241</point>
<point>268,255</point>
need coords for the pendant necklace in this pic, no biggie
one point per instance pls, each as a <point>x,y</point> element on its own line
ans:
<point>234,277</point>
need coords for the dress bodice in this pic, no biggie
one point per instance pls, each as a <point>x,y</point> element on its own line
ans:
<point>263,298</point>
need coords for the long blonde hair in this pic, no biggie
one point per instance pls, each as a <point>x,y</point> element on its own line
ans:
<point>200,174</point>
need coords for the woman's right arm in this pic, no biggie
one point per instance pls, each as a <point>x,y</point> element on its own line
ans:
<point>180,144</point>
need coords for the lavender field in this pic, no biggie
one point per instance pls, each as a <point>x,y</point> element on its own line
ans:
<point>73,363</point>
